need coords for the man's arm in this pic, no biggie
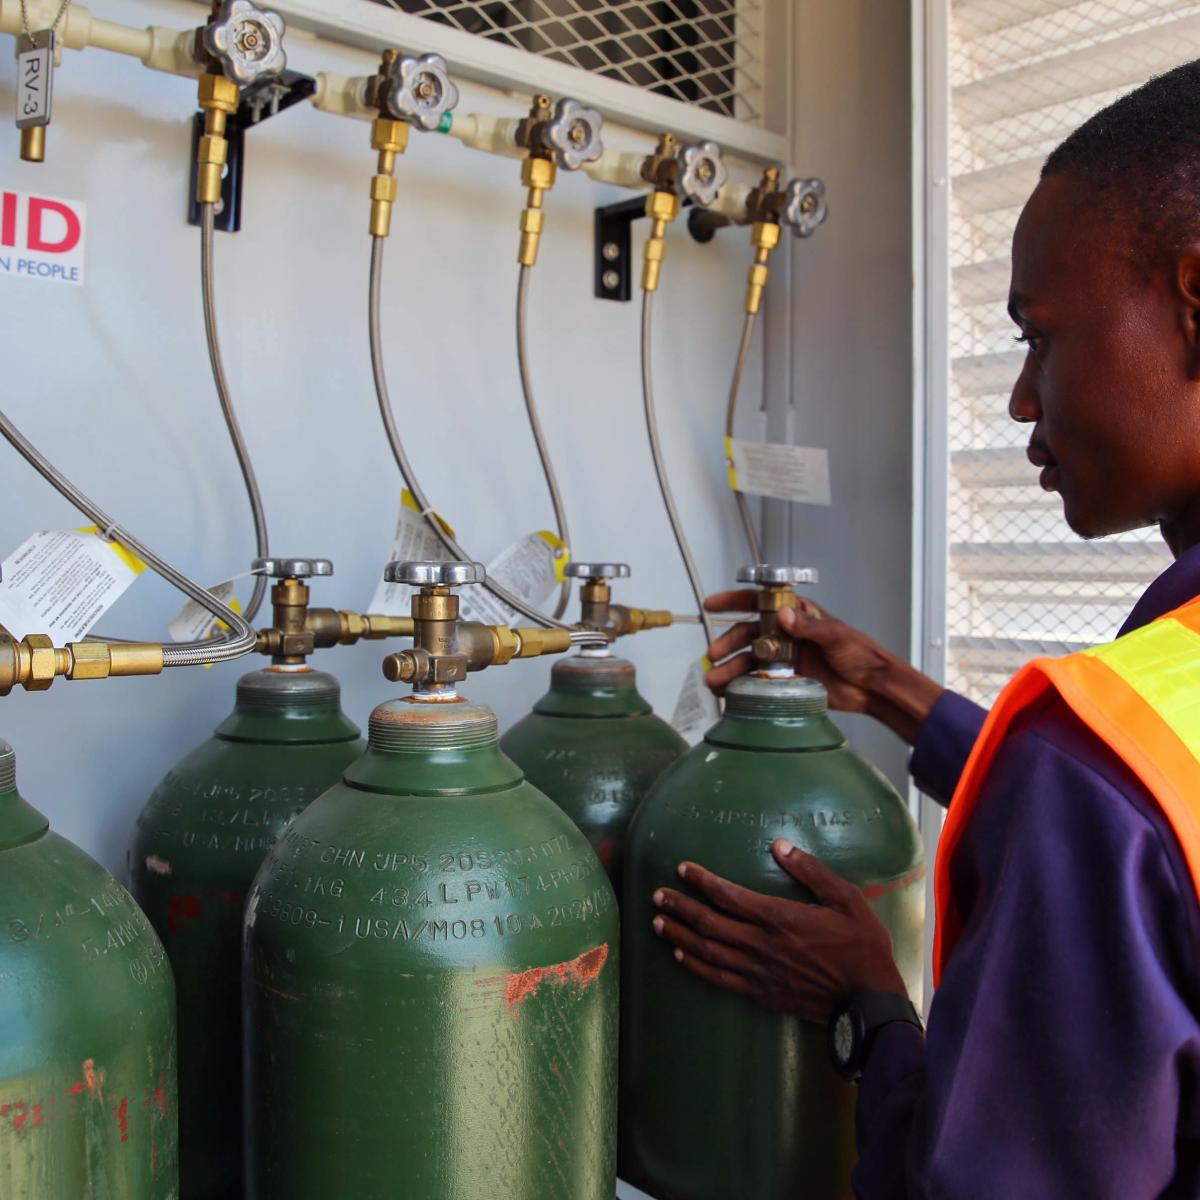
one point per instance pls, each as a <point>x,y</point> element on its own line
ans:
<point>943,745</point>
<point>1063,1051</point>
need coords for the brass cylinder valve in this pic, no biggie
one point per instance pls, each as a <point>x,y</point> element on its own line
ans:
<point>597,609</point>
<point>406,91</point>
<point>565,135</point>
<point>297,630</point>
<point>773,649</point>
<point>696,173</point>
<point>445,648</point>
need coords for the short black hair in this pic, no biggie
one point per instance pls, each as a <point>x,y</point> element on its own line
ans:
<point>1140,159</point>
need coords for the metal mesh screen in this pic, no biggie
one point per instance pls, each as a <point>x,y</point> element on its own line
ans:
<point>703,52</point>
<point>1023,74</point>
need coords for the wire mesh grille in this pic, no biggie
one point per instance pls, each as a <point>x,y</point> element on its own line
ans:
<point>1023,74</point>
<point>704,52</point>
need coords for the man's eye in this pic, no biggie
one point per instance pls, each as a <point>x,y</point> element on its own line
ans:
<point>1032,340</point>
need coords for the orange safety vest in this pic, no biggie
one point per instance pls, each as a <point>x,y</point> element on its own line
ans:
<point>1140,695</point>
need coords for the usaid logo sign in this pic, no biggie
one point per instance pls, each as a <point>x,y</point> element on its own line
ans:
<point>41,237</point>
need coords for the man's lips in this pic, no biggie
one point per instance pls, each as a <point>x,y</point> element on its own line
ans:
<point>1041,457</point>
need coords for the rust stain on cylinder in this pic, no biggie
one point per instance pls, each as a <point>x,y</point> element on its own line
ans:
<point>583,970</point>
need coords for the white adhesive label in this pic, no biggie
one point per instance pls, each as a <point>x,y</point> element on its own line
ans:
<point>414,541</point>
<point>697,708</point>
<point>531,569</point>
<point>62,581</point>
<point>797,473</point>
<point>195,623</point>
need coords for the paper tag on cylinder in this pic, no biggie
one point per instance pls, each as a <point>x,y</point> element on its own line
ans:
<point>797,473</point>
<point>697,708</point>
<point>62,581</point>
<point>414,541</point>
<point>531,569</point>
<point>195,623</point>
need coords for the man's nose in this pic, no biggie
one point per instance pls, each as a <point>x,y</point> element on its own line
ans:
<point>1023,404</point>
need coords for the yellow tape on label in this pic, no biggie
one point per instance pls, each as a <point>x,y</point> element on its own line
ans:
<point>730,469</point>
<point>410,502</point>
<point>130,559</point>
<point>562,553</point>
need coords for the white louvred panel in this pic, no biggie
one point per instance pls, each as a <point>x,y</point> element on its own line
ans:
<point>1023,74</point>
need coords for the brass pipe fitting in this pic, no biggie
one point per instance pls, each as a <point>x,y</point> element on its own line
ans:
<point>538,173</point>
<point>33,144</point>
<point>626,621</point>
<point>219,99</point>
<point>390,138</point>
<point>35,662</point>
<point>536,641</point>
<point>662,208</point>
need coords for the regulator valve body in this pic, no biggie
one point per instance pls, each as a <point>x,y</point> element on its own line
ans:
<point>773,649</point>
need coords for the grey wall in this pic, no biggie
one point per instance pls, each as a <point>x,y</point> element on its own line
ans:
<point>850,325</point>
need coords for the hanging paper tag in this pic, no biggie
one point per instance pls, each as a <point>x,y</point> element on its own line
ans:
<point>531,569</point>
<point>62,581</point>
<point>797,473</point>
<point>697,708</point>
<point>195,623</point>
<point>414,542</point>
<point>35,78</point>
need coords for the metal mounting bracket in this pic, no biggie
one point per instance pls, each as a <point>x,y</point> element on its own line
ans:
<point>260,101</point>
<point>614,265</point>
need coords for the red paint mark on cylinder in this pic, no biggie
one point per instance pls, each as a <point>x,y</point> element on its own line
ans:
<point>92,1081</point>
<point>20,1114</point>
<point>581,971</point>
<point>161,1100</point>
<point>873,891</point>
<point>605,852</point>
<point>123,1118</point>
<point>159,866</point>
<point>37,1115</point>
<point>180,909</point>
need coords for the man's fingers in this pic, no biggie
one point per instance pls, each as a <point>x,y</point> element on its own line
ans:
<point>733,639</point>
<point>808,620</point>
<point>707,921</point>
<point>719,678</point>
<point>715,953</point>
<point>720,977</point>
<point>738,600</point>
<point>828,887</point>
<point>731,898</point>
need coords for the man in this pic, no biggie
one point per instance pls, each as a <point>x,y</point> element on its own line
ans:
<point>1062,1057</point>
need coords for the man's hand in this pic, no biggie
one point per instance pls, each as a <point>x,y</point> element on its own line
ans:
<point>857,672</point>
<point>789,956</point>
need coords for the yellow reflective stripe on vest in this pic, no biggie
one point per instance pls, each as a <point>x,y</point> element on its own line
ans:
<point>1161,662</point>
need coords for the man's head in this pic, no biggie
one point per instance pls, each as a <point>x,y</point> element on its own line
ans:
<point>1106,289</point>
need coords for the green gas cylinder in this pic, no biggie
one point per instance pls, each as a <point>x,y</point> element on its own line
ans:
<point>198,845</point>
<point>431,981</point>
<point>721,1099</point>
<point>87,1024</point>
<point>594,745</point>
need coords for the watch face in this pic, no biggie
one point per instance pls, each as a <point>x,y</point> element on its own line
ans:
<point>843,1038</point>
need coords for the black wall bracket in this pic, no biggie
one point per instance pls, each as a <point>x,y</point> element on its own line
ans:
<point>614,265</point>
<point>260,101</point>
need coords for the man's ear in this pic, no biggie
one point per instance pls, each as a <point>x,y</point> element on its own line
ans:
<point>1187,286</point>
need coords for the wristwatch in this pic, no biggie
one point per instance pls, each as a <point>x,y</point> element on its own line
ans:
<point>854,1023</point>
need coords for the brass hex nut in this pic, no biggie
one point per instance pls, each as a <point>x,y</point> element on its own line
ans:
<point>662,206</point>
<point>389,134</point>
<point>89,660</point>
<point>353,627</point>
<point>765,235</point>
<point>296,645</point>
<point>538,173</point>
<point>506,642</point>
<point>218,92</point>
<point>41,661</point>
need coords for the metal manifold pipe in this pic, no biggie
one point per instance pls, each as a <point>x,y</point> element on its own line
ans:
<point>382,394</point>
<point>261,540</point>
<point>735,387</point>
<point>241,638</point>
<point>535,425</point>
<point>660,468</point>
